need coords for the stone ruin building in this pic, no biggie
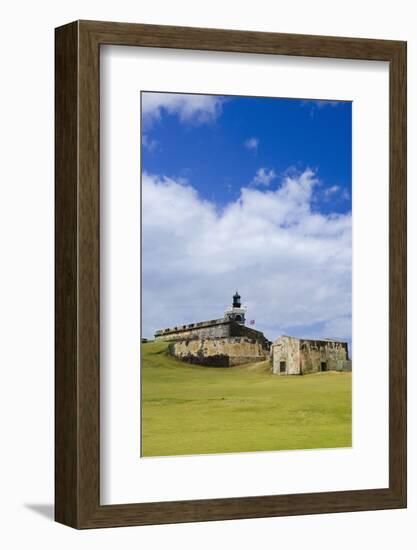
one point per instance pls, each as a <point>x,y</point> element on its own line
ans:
<point>223,342</point>
<point>301,356</point>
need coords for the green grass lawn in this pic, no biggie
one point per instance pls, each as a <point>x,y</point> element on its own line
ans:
<point>190,409</point>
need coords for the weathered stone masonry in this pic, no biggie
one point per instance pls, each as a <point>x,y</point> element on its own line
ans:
<point>224,342</point>
<point>301,356</point>
<point>219,352</point>
<point>217,328</point>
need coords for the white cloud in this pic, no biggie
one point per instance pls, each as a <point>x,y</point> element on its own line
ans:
<point>291,265</point>
<point>336,191</point>
<point>252,143</point>
<point>320,103</point>
<point>331,190</point>
<point>193,108</point>
<point>264,176</point>
<point>149,143</point>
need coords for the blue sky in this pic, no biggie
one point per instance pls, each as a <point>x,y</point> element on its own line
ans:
<point>251,194</point>
<point>285,132</point>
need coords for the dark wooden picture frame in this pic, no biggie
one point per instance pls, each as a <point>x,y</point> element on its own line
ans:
<point>77,371</point>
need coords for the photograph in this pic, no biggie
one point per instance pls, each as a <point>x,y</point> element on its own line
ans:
<point>246,274</point>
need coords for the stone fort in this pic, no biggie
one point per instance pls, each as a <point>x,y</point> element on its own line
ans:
<point>301,356</point>
<point>223,342</point>
<point>227,342</point>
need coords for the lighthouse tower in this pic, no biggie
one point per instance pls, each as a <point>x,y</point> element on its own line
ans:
<point>236,312</point>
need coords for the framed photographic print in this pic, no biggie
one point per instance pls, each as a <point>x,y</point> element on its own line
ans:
<point>230,274</point>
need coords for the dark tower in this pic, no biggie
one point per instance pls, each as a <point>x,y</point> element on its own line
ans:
<point>236,300</point>
<point>236,312</point>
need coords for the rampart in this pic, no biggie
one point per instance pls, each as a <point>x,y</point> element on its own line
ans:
<point>219,352</point>
<point>217,328</point>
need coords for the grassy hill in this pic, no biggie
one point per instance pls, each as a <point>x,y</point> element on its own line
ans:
<point>190,409</point>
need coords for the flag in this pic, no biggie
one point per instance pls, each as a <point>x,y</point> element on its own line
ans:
<point>252,322</point>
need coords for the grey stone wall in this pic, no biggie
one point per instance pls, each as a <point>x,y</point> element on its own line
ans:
<point>300,356</point>
<point>285,354</point>
<point>217,328</point>
<point>242,330</point>
<point>219,352</point>
<point>318,355</point>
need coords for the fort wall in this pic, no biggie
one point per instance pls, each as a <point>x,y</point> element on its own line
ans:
<point>292,355</point>
<point>318,355</point>
<point>219,352</point>
<point>217,328</point>
<point>242,330</point>
<point>285,354</point>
